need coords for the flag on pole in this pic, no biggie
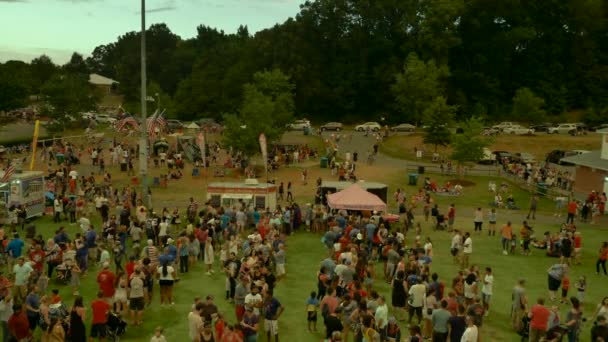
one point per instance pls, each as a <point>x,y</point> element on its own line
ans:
<point>201,144</point>
<point>264,148</point>
<point>34,144</point>
<point>7,174</point>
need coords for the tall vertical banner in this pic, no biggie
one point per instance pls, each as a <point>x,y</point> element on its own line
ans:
<point>201,145</point>
<point>264,149</point>
<point>34,143</point>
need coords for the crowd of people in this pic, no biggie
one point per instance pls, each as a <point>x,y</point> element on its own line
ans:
<point>134,250</point>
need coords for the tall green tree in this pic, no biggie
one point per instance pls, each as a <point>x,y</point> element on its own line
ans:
<point>76,65</point>
<point>267,108</point>
<point>418,86</point>
<point>527,107</point>
<point>437,117</point>
<point>469,145</point>
<point>65,96</point>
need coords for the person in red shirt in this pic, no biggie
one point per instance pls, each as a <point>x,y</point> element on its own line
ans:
<point>55,297</point>
<point>100,308</point>
<point>451,217</point>
<point>18,324</point>
<point>539,318</point>
<point>578,244</point>
<point>106,279</point>
<point>572,206</point>
<point>130,266</point>
<point>565,288</point>
<point>37,258</point>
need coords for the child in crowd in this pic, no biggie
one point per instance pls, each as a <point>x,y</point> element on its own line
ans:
<point>75,278</point>
<point>581,286</point>
<point>565,288</point>
<point>312,306</point>
<point>158,335</point>
<point>43,282</point>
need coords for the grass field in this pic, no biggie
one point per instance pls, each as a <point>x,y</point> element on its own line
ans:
<point>305,251</point>
<point>402,146</point>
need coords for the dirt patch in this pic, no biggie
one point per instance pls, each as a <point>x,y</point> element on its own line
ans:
<point>463,182</point>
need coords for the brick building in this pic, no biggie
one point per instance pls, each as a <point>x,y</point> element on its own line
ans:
<point>591,168</point>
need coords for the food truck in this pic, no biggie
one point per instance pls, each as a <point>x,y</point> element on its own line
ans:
<point>250,192</point>
<point>23,188</point>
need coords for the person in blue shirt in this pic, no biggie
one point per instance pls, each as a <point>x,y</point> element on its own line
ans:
<point>312,307</point>
<point>272,311</point>
<point>172,250</point>
<point>166,257</point>
<point>341,222</point>
<point>15,247</point>
<point>256,216</point>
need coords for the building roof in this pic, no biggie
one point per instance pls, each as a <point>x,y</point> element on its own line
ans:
<point>343,185</point>
<point>591,159</point>
<point>96,79</point>
<point>240,185</point>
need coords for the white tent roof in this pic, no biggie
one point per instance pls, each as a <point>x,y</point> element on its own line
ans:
<point>100,80</point>
<point>193,125</point>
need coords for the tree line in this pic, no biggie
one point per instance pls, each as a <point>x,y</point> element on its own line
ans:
<point>353,60</point>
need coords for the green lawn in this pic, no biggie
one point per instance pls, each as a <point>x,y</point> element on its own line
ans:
<point>305,252</point>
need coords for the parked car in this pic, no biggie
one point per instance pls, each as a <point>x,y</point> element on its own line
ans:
<point>404,128</point>
<point>523,157</point>
<point>556,156</point>
<point>374,126</point>
<point>299,125</point>
<point>488,157</point>
<point>517,130</point>
<point>490,131</point>
<point>565,128</point>
<point>600,127</point>
<point>175,124</point>
<point>105,118</point>
<point>501,155</point>
<point>543,127</point>
<point>505,124</point>
<point>331,126</point>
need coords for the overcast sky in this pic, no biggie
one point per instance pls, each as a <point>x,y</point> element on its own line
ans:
<point>29,28</point>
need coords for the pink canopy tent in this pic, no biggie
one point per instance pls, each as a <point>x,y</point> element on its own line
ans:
<point>355,198</point>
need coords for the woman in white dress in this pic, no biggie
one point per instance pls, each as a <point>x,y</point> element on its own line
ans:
<point>209,255</point>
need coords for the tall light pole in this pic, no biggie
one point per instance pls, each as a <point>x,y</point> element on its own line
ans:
<point>143,142</point>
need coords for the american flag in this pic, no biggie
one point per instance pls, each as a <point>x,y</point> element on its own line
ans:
<point>7,174</point>
<point>155,124</point>
<point>124,124</point>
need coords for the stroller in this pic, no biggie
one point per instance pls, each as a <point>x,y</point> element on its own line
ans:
<point>116,326</point>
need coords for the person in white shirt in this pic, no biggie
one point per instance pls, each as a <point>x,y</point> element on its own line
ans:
<point>467,249</point>
<point>254,300</point>
<point>471,332</point>
<point>486,290</point>
<point>6,310</point>
<point>381,315</point>
<point>195,323</point>
<point>416,302</point>
<point>456,245</point>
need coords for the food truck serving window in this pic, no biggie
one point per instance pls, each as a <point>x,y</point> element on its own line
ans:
<point>237,196</point>
<point>260,202</point>
<point>216,200</point>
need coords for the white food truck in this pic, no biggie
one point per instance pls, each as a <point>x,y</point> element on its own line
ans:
<point>250,192</point>
<point>25,188</point>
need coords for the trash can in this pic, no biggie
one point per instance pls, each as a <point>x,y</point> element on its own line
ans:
<point>307,130</point>
<point>412,179</point>
<point>60,157</point>
<point>541,189</point>
<point>420,170</point>
<point>324,162</point>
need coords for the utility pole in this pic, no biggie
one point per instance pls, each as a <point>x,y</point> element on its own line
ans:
<point>143,142</point>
